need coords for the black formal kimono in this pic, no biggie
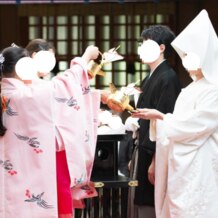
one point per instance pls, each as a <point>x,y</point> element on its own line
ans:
<point>159,91</point>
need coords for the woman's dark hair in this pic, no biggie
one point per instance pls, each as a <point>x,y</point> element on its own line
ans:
<point>160,34</point>
<point>9,58</point>
<point>37,45</point>
<point>2,127</point>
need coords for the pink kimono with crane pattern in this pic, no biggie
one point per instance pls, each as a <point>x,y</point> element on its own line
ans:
<point>35,115</point>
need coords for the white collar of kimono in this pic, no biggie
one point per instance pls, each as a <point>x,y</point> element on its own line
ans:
<point>156,67</point>
<point>200,38</point>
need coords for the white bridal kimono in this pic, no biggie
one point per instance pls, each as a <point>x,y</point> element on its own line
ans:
<point>35,115</point>
<point>186,183</point>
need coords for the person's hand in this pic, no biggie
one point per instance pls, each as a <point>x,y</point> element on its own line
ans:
<point>151,172</point>
<point>147,114</point>
<point>90,53</point>
<point>104,96</point>
<point>115,106</point>
<point>129,165</point>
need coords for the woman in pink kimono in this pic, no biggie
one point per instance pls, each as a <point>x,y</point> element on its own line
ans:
<point>43,122</point>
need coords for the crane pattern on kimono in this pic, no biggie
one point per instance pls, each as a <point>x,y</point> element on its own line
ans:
<point>79,181</point>
<point>6,108</point>
<point>8,166</point>
<point>71,102</point>
<point>85,90</point>
<point>88,190</point>
<point>32,142</point>
<point>37,199</point>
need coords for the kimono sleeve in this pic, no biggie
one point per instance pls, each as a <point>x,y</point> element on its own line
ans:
<point>198,126</point>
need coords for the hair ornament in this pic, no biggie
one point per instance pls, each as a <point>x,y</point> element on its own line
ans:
<point>14,45</point>
<point>2,59</point>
